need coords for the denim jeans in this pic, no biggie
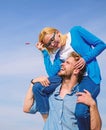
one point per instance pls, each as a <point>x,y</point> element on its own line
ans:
<point>41,95</point>
<point>82,110</point>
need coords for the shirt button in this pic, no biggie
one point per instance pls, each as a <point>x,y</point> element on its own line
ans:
<point>60,122</point>
<point>60,111</point>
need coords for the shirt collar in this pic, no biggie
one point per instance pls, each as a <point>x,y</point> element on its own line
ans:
<point>73,91</point>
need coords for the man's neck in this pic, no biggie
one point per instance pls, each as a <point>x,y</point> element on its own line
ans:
<point>67,86</point>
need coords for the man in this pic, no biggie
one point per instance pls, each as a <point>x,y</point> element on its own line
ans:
<point>63,100</point>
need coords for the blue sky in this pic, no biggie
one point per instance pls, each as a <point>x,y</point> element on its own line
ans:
<point>21,22</point>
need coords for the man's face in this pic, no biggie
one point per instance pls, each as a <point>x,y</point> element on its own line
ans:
<point>67,67</point>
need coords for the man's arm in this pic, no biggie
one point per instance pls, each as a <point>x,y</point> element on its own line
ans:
<point>95,120</point>
<point>29,98</point>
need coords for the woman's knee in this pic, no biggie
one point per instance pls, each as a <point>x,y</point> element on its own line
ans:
<point>81,111</point>
<point>37,87</point>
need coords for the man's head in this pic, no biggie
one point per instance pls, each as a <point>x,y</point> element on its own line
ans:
<point>68,69</point>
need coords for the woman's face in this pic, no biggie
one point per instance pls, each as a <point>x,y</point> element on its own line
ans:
<point>52,41</point>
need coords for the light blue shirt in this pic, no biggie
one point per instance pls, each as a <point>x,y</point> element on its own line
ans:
<point>61,113</point>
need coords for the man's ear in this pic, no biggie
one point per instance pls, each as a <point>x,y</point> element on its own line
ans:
<point>76,71</point>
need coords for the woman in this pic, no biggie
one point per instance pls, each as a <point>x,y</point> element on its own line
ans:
<point>78,39</point>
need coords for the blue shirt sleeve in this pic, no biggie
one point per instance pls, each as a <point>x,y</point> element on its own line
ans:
<point>97,45</point>
<point>51,68</point>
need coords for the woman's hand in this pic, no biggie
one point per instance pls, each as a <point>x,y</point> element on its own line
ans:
<point>43,80</point>
<point>80,64</point>
<point>39,46</point>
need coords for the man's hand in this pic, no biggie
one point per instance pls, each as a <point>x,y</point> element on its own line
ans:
<point>43,80</point>
<point>85,97</point>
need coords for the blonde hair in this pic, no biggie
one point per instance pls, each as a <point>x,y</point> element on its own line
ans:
<point>75,55</point>
<point>45,31</point>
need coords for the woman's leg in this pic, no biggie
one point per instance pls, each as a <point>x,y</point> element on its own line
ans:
<point>41,94</point>
<point>82,110</point>
<point>55,81</point>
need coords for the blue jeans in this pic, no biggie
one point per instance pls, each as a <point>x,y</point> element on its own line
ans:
<point>41,95</point>
<point>82,110</point>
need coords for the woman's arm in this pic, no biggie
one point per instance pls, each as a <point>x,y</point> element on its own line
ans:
<point>51,68</point>
<point>85,36</point>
